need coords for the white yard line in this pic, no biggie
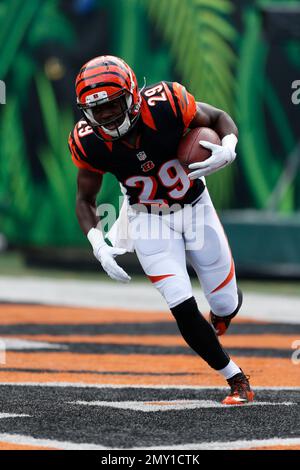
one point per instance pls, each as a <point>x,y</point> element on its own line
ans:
<point>151,406</point>
<point>31,441</point>
<point>13,415</point>
<point>16,344</point>
<point>134,296</point>
<point>231,445</point>
<point>120,386</point>
<point>67,445</point>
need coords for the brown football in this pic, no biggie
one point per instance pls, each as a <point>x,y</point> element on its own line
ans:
<point>190,151</point>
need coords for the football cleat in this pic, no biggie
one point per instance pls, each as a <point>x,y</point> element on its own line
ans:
<point>221,324</point>
<point>241,392</point>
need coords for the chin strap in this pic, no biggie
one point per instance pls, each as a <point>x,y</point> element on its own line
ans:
<point>121,130</point>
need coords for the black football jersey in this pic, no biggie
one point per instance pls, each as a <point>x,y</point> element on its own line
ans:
<point>150,171</point>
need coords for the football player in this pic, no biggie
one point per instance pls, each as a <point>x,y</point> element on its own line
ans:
<point>134,134</point>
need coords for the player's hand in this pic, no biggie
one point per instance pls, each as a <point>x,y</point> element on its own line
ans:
<point>106,254</point>
<point>222,155</point>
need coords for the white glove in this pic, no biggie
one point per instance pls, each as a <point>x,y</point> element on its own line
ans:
<point>221,156</point>
<point>105,254</point>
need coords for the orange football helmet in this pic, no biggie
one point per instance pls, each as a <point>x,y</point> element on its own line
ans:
<point>108,95</point>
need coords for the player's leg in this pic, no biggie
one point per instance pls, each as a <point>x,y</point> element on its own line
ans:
<point>163,261</point>
<point>221,323</point>
<point>214,266</point>
<point>161,253</point>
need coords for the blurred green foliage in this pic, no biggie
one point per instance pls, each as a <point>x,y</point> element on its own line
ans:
<point>190,40</point>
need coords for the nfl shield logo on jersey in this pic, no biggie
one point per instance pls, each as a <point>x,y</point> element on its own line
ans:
<point>141,156</point>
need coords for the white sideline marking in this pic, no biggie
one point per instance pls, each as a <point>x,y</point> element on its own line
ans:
<point>13,415</point>
<point>66,445</point>
<point>12,344</point>
<point>136,296</point>
<point>231,445</point>
<point>32,441</point>
<point>158,405</point>
<point>118,386</point>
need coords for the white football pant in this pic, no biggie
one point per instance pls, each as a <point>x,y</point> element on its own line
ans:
<point>163,244</point>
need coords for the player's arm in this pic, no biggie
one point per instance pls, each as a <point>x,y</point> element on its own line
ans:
<point>222,155</point>
<point>218,120</point>
<point>88,186</point>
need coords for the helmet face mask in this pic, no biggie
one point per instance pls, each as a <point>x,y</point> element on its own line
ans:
<point>110,99</point>
<point>113,116</point>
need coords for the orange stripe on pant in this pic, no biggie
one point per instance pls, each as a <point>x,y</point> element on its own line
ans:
<point>159,278</point>
<point>228,278</point>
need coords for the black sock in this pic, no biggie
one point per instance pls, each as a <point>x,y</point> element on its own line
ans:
<point>199,334</point>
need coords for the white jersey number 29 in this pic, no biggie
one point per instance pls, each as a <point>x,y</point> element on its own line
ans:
<point>171,175</point>
<point>155,94</point>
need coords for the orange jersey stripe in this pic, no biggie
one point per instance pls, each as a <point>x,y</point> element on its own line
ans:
<point>74,152</point>
<point>186,103</point>
<point>147,116</point>
<point>108,145</point>
<point>85,166</point>
<point>170,97</point>
<point>77,141</point>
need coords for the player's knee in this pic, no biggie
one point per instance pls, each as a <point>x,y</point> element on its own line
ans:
<point>225,303</point>
<point>175,290</point>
